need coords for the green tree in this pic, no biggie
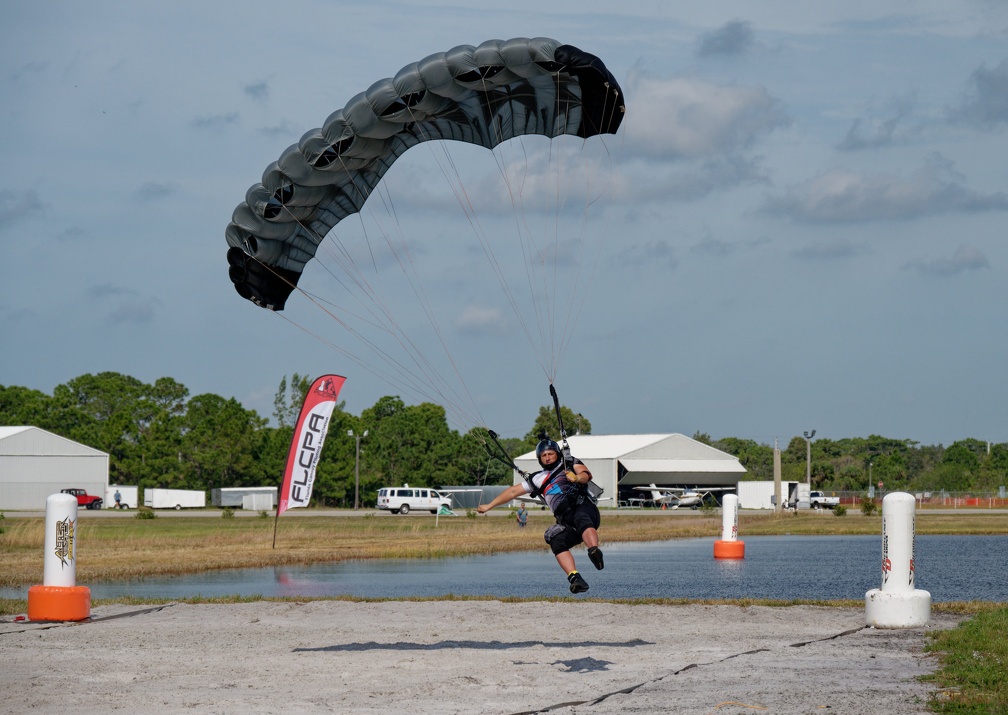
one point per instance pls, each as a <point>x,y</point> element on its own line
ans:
<point>20,406</point>
<point>477,466</point>
<point>546,421</point>
<point>218,445</point>
<point>756,458</point>
<point>410,444</point>
<point>287,401</point>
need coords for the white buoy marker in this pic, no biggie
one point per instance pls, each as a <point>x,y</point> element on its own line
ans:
<point>898,603</point>
<point>729,546</point>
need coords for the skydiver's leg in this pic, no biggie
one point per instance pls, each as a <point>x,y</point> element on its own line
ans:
<point>560,544</point>
<point>589,520</point>
<point>566,561</point>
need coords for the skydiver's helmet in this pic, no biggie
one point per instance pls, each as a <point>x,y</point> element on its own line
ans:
<point>544,445</point>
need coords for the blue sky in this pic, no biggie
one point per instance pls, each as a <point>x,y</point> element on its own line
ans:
<point>802,223</point>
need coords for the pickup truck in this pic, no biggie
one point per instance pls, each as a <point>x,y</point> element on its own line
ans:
<point>84,499</point>
<point>819,500</point>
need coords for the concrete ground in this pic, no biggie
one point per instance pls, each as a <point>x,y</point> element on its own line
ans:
<point>487,657</point>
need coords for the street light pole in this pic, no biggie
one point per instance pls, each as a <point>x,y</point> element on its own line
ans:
<point>356,496</point>
<point>808,458</point>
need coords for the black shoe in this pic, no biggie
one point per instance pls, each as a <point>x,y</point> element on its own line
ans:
<point>577,583</point>
<point>595,554</point>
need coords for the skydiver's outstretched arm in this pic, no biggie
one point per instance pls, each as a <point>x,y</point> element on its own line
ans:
<point>512,492</point>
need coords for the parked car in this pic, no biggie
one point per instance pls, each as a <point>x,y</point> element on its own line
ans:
<point>819,500</point>
<point>89,501</point>
<point>401,500</point>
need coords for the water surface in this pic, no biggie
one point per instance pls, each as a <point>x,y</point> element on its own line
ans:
<point>951,568</point>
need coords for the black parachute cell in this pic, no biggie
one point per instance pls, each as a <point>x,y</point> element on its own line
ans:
<point>482,95</point>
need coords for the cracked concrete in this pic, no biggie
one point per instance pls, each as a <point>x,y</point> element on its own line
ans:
<point>570,656</point>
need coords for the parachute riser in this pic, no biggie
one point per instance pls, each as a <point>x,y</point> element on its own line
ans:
<point>567,457</point>
<point>506,459</point>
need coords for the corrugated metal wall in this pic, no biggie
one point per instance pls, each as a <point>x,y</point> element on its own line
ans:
<point>35,463</point>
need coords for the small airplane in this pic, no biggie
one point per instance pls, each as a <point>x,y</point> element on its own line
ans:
<point>678,496</point>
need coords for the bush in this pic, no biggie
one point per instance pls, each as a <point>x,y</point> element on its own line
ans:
<point>263,514</point>
<point>839,510</point>
<point>145,513</point>
<point>227,513</point>
<point>867,506</point>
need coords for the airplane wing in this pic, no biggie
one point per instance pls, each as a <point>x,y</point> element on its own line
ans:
<point>672,491</point>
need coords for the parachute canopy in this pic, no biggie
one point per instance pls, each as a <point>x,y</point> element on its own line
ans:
<point>482,95</point>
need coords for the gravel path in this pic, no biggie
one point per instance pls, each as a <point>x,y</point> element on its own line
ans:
<point>481,657</point>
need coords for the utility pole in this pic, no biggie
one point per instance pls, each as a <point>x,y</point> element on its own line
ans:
<point>356,496</point>
<point>808,458</point>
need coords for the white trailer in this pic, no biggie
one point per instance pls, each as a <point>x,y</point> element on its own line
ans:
<point>174,498</point>
<point>127,496</point>
<point>258,502</point>
<point>757,495</point>
<point>235,496</point>
<point>760,494</point>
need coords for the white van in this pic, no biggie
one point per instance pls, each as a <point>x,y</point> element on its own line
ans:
<point>400,500</point>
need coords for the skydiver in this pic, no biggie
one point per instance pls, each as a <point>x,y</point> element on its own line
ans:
<point>566,493</point>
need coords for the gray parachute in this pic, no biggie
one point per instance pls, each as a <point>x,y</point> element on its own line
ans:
<point>482,95</point>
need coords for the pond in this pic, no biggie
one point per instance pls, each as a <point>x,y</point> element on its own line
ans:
<point>951,568</point>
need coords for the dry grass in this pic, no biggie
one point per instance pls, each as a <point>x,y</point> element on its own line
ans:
<point>111,549</point>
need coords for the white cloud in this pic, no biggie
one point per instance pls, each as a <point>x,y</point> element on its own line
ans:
<point>731,39</point>
<point>20,205</point>
<point>986,105</point>
<point>688,118</point>
<point>966,258</point>
<point>843,196</point>
<point>480,319</point>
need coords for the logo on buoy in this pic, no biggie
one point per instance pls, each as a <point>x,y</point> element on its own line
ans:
<point>65,541</point>
<point>886,563</point>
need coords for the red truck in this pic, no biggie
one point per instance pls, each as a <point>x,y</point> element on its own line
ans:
<point>84,499</point>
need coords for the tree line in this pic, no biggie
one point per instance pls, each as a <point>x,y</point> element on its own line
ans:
<point>161,436</point>
<point>158,435</point>
<point>853,463</point>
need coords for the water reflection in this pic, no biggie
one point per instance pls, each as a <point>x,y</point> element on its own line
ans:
<point>951,568</point>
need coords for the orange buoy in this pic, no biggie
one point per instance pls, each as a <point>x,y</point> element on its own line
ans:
<point>59,598</point>
<point>59,603</point>
<point>729,546</point>
<point>729,549</point>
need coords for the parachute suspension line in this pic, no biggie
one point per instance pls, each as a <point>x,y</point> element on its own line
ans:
<point>412,276</point>
<point>407,386</point>
<point>523,234</point>
<point>452,175</point>
<point>426,386</point>
<point>531,253</point>
<point>314,300</point>
<point>578,295</point>
<point>435,381</point>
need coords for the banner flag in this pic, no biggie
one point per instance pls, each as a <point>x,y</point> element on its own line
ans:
<point>306,444</point>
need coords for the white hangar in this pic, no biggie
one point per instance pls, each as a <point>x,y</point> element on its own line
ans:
<point>35,463</point>
<point>620,462</point>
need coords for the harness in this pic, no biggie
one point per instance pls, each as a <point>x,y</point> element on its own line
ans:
<point>572,495</point>
<point>537,492</point>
